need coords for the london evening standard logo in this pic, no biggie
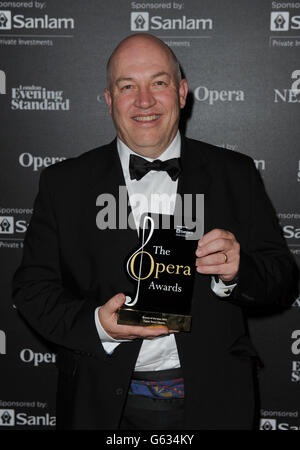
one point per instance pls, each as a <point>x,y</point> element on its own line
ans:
<point>38,98</point>
<point>143,21</point>
<point>9,21</point>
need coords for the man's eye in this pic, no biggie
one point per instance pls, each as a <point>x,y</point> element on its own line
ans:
<point>126,87</point>
<point>160,83</point>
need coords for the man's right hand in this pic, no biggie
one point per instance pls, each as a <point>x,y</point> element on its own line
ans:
<point>108,319</point>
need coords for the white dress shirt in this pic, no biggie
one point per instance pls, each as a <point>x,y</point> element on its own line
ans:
<point>159,353</point>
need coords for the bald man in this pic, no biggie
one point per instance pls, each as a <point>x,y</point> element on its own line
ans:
<point>69,289</point>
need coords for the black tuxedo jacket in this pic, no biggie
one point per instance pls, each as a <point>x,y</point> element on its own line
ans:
<point>70,267</point>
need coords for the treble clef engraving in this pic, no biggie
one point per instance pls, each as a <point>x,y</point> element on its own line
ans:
<point>129,301</point>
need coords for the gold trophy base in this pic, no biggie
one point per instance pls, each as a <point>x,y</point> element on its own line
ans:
<point>130,316</point>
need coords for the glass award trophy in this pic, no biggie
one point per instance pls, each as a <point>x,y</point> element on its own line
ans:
<point>162,270</point>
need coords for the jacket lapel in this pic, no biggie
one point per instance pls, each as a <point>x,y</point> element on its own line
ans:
<point>195,178</point>
<point>106,203</point>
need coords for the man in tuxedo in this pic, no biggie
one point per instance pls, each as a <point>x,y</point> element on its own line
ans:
<point>72,282</point>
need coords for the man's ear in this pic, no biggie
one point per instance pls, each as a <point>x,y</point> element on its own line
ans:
<point>108,100</point>
<point>183,92</point>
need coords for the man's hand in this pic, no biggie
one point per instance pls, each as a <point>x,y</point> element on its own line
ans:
<point>108,319</point>
<point>218,253</point>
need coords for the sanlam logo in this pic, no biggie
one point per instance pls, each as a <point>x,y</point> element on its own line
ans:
<point>284,21</point>
<point>8,21</point>
<point>142,21</point>
<point>9,418</point>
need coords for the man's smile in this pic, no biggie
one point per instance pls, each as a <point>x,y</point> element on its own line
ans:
<point>148,118</point>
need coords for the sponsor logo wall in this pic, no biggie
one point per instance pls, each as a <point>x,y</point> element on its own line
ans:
<point>13,226</point>
<point>26,24</point>
<point>244,80</point>
<point>11,418</point>
<point>285,25</point>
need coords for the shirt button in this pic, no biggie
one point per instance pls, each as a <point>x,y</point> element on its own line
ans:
<point>227,292</point>
<point>119,391</point>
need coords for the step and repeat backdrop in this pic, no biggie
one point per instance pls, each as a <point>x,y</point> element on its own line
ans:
<point>242,62</point>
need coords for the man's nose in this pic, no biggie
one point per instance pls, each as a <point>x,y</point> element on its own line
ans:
<point>144,98</point>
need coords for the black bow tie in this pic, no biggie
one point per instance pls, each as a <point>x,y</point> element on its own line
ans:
<point>138,167</point>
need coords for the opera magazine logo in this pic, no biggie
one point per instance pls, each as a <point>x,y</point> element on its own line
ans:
<point>35,163</point>
<point>2,82</point>
<point>7,417</point>
<point>211,96</point>
<point>5,20</point>
<point>36,358</point>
